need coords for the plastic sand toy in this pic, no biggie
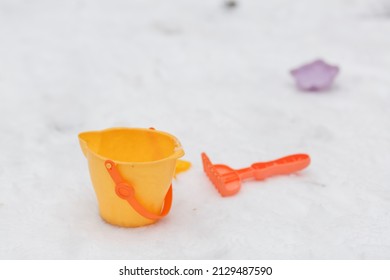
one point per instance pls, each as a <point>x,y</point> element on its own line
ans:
<point>182,166</point>
<point>228,181</point>
<point>131,170</point>
<point>315,76</point>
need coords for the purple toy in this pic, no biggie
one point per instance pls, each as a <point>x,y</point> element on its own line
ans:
<point>315,76</point>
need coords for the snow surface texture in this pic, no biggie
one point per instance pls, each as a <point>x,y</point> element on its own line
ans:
<point>219,80</point>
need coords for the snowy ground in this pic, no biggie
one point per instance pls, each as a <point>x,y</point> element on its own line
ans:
<point>217,79</point>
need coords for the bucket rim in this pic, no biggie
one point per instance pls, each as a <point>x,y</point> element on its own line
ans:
<point>178,151</point>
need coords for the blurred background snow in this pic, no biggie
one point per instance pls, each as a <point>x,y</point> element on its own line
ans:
<point>218,79</point>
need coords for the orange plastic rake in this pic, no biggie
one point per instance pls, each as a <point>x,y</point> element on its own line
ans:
<point>228,180</point>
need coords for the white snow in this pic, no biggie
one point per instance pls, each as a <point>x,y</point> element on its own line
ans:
<point>219,80</point>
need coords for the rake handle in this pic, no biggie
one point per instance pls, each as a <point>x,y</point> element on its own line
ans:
<point>284,165</point>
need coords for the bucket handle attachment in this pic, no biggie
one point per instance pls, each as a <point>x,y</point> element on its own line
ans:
<point>125,191</point>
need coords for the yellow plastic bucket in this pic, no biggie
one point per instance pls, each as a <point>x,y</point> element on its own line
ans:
<point>131,171</point>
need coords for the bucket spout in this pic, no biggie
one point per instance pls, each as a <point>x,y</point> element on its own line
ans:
<point>86,139</point>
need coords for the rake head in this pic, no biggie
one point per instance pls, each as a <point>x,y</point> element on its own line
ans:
<point>225,179</point>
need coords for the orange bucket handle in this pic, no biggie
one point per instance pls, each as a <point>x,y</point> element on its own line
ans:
<point>125,191</point>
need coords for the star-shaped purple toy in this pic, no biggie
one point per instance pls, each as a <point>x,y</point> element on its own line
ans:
<point>315,76</point>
